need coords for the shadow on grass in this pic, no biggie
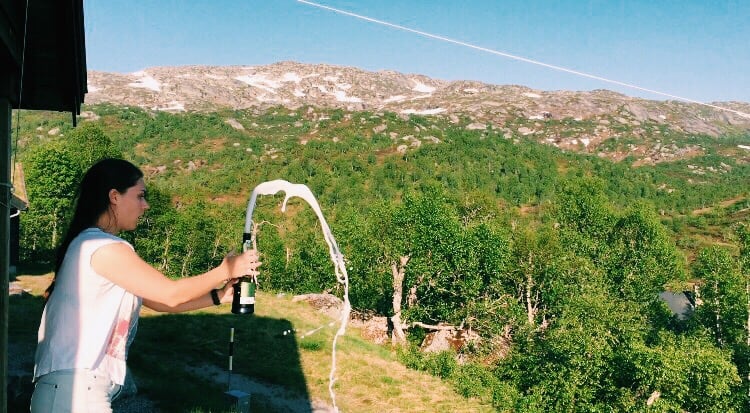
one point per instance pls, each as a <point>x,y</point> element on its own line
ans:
<point>33,269</point>
<point>24,313</point>
<point>170,351</point>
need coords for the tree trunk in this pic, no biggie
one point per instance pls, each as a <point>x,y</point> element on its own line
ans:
<point>530,308</point>
<point>186,261</point>
<point>215,251</point>
<point>435,327</point>
<point>398,337</point>
<point>165,255</point>
<point>719,333</point>
<point>54,229</point>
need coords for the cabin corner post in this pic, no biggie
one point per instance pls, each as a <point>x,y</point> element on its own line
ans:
<point>5,197</point>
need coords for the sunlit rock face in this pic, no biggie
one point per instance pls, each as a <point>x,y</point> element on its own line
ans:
<point>292,84</point>
<point>569,120</point>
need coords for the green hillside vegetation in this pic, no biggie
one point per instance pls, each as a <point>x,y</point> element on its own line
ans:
<point>555,258</point>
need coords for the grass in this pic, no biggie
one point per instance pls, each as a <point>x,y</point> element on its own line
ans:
<point>170,350</point>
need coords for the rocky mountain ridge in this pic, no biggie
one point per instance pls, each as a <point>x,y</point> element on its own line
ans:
<point>290,84</point>
<point>600,122</point>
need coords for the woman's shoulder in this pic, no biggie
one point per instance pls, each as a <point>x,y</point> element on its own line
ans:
<point>98,237</point>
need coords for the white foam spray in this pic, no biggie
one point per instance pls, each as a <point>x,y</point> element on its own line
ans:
<point>302,191</point>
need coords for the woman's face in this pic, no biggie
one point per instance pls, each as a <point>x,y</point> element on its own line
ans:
<point>130,206</point>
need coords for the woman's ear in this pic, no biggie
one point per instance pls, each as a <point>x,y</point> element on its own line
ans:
<point>114,196</point>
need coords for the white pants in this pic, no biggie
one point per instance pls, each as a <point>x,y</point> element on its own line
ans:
<point>73,391</point>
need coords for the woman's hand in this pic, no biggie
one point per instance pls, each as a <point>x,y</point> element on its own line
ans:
<point>226,293</point>
<point>242,265</point>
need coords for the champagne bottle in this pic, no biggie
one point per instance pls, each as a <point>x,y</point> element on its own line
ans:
<point>243,300</point>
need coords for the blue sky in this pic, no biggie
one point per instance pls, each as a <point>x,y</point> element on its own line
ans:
<point>693,49</point>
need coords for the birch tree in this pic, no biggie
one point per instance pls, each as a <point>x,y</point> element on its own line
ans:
<point>52,173</point>
<point>724,305</point>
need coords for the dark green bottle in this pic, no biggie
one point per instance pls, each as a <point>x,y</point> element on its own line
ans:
<point>243,300</point>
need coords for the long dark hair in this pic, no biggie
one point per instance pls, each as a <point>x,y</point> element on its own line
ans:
<point>93,200</point>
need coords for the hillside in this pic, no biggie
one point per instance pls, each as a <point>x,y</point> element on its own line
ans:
<point>642,128</point>
<point>698,183</point>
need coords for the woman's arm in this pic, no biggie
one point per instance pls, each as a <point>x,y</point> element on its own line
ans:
<point>120,264</point>
<point>225,296</point>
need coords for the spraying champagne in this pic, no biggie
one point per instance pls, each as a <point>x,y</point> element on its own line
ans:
<point>243,301</point>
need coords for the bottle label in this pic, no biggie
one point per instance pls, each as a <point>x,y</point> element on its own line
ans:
<point>244,289</point>
<point>247,300</point>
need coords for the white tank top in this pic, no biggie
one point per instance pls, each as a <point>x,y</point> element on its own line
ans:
<point>88,321</point>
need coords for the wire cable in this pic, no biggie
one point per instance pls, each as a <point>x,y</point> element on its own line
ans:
<point>14,155</point>
<point>520,58</point>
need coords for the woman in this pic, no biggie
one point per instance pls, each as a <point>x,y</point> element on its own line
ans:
<point>92,307</point>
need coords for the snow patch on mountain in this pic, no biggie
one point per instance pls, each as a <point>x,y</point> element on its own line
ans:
<point>145,81</point>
